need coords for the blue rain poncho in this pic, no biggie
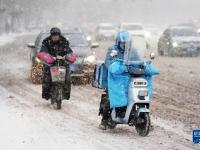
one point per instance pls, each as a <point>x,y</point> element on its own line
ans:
<point>119,79</point>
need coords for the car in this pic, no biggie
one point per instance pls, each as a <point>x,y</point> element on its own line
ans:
<point>179,41</point>
<point>105,31</point>
<point>195,21</point>
<point>135,29</point>
<point>81,70</point>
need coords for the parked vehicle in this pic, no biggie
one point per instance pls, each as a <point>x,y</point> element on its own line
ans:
<point>179,41</point>
<point>105,31</point>
<point>82,70</point>
<point>135,29</point>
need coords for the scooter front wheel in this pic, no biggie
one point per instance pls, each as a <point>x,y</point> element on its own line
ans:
<point>143,125</point>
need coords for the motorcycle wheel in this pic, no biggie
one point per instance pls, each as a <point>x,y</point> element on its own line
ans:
<point>52,102</point>
<point>58,104</point>
<point>144,127</point>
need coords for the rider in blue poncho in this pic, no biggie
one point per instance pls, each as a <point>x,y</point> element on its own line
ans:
<point>121,61</point>
<point>122,43</point>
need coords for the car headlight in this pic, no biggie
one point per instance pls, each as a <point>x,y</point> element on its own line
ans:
<point>90,59</point>
<point>37,60</point>
<point>143,93</point>
<point>175,44</point>
<point>147,34</point>
<point>88,38</point>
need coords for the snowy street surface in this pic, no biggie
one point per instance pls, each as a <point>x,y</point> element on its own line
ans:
<point>9,38</point>
<point>30,123</point>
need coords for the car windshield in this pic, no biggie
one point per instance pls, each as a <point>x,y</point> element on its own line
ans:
<point>43,36</point>
<point>132,27</point>
<point>75,39</point>
<point>185,32</point>
<point>106,28</point>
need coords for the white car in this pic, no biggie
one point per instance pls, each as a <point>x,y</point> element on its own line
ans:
<point>135,29</point>
<point>105,31</point>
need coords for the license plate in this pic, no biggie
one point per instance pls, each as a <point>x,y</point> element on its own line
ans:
<point>192,49</point>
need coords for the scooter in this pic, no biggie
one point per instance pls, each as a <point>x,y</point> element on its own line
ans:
<point>127,96</point>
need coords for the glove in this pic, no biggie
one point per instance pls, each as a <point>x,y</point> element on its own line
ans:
<point>71,58</point>
<point>45,57</point>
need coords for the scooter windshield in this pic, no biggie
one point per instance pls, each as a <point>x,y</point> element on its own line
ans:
<point>134,54</point>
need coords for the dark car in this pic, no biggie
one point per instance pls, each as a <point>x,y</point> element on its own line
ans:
<point>82,69</point>
<point>179,41</point>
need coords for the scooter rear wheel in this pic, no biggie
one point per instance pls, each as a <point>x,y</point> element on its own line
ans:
<point>143,127</point>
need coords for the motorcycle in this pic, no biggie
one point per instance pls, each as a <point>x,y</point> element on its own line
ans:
<point>127,93</point>
<point>59,73</point>
<point>60,76</point>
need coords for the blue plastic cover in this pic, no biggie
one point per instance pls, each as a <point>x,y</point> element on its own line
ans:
<point>118,82</point>
<point>95,82</point>
<point>150,70</point>
<point>100,76</point>
<point>103,78</point>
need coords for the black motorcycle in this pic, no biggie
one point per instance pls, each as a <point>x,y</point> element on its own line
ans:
<point>60,76</point>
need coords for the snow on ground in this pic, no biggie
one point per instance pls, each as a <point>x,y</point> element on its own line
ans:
<point>29,122</point>
<point>9,38</point>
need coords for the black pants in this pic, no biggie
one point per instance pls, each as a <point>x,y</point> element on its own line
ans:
<point>46,82</point>
<point>104,109</point>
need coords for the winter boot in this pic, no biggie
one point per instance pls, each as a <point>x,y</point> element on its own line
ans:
<point>103,125</point>
<point>45,93</point>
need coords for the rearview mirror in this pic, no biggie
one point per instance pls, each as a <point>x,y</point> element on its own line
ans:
<point>31,45</point>
<point>152,56</point>
<point>94,45</point>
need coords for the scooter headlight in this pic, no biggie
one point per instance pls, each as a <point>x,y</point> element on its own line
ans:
<point>90,59</point>
<point>143,93</point>
<point>175,44</point>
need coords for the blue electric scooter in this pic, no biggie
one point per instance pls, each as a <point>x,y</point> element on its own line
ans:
<point>127,93</point>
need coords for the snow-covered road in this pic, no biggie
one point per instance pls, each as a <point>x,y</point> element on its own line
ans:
<point>29,122</point>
